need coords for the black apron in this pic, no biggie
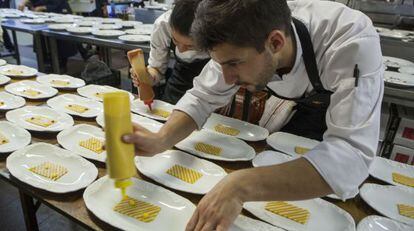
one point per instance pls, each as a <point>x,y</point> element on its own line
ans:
<point>309,119</point>
<point>182,77</point>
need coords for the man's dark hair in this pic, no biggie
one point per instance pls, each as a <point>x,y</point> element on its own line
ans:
<point>182,15</point>
<point>244,23</point>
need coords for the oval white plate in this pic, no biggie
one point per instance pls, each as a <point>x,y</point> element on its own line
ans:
<point>19,116</point>
<point>86,23</point>
<point>145,27</point>
<point>156,167</point>
<point>80,30</point>
<point>396,62</point>
<point>111,20</point>
<point>139,107</point>
<point>323,216</point>
<point>108,27</point>
<point>69,139</point>
<point>382,169</point>
<point>138,30</point>
<point>64,20</point>
<point>248,131</point>
<point>151,125</point>
<point>90,91</point>
<point>267,158</point>
<point>4,79</point>
<point>94,19</point>
<point>17,88</point>
<point>129,24</point>
<point>243,223</point>
<point>17,71</point>
<point>233,149</point>
<point>11,101</point>
<point>80,171</point>
<point>73,82</point>
<point>135,38</point>
<point>394,34</point>
<point>59,27</point>
<point>407,70</point>
<point>33,21</point>
<point>101,197</point>
<point>17,137</point>
<point>3,62</point>
<point>384,199</point>
<point>108,33</point>
<point>286,142</point>
<point>378,223</point>
<point>397,78</point>
<point>60,102</point>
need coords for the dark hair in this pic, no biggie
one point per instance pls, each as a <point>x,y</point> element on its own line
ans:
<point>245,23</point>
<point>182,15</point>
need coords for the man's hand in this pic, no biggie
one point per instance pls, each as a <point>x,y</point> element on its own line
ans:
<point>153,73</point>
<point>40,9</point>
<point>146,143</point>
<point>219,208</point>
<point>21,6</point>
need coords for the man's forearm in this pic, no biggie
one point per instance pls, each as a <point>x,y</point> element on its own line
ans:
<point>178,127</point>
<point>294,180</point>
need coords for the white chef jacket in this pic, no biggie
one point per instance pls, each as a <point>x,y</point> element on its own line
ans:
<point>341,37</point>
<point>160,46</point>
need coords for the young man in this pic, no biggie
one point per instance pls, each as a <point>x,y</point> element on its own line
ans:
<point>311,57</point>
<point>172,32</point>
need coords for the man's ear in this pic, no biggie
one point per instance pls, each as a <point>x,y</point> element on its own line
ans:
<point>275,41</point>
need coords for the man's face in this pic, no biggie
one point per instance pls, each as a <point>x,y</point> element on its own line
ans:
<point>245,66</point>
<point>182,42</point>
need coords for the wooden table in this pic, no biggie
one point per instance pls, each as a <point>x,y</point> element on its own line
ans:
<point>71,205</point>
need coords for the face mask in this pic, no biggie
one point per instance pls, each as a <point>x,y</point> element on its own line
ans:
<point>188,55</point>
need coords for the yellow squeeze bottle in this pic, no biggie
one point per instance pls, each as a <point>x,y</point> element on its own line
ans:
<point>120,156</point>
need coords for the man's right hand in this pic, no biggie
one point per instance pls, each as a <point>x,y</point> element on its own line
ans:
<point>146,143</point>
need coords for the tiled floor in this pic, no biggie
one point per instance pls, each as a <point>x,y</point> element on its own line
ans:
<point>11,216</point>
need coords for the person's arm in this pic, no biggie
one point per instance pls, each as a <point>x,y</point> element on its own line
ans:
<point>24,4</point>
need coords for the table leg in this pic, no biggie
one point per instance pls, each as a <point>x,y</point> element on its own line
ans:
<point>39,52</point>
<point>29,211</point>
<point>16,47</point>
<point>54,55</point>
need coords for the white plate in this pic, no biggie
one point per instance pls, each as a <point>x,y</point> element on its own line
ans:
<point>80,171</point>
<point>129,24</point>
<point>151,125</point>
<point>63,20</point>
<point>155,167</point>
<point>11,15</point>
<point>108,33</point>
<point>59,27</point>
<point>80,30</point>
<point>93,19</point>
<point>69,139</point>
<point>90,91</point>
<point>101,197</point>
<point>286,142</point>
<point>397,78</point>
<point>33,21</point>
<point>378,223</point>
<point>3,62</point>
<point>323,216</point>
<point>4,79</point>
<point>267,158</point>
<point>17,88</point>
<point>11,101</point>
<point>248,131</point>
<point>135,38</point>
<point>233,149</point>
<point>111,20</point>
<point>73,82</point>
<point>382,169</point>
<point>145,26</point>
<point>397,34</point>
<point>139,107</point>
<point>407,70</point>
<point>17,71</point>
<point>60,102</point>
<point>384,199</point>
<point>396,62</point>
<point>86,23</point>
<point>142,31</point>
<point>243,223</point>
<point>19,116</point>
<point>18,137</point>
<point>108,27</point>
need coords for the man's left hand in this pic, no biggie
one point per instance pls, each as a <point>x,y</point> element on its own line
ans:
<point>219,208</point>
